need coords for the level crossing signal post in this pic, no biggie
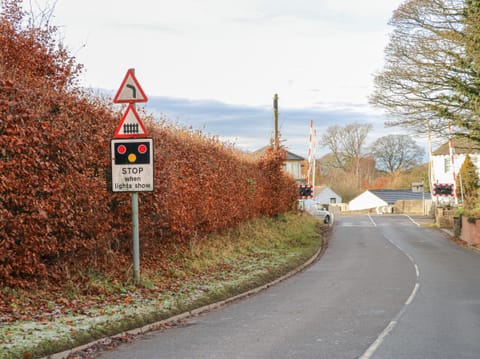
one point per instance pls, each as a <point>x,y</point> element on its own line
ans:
<point>443,189</point>
<point>304,192</point>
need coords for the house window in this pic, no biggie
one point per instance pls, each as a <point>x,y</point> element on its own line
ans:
<point>333,200</point>
<point>293,168</point>
<point>447,165</point>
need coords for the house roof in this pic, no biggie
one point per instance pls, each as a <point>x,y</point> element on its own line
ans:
<point>293,157</point>
<point>319,189</point>
<point>290,156</point>
<point>460,145</point>
<point>391,196</point>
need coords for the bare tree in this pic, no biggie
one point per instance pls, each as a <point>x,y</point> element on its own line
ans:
<point>332,139</point>
<point>396,152</point>
<point>346,145</point>
<point>431,72</point>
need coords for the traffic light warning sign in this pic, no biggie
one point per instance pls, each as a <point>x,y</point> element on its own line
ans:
<point>134,152</point>
<point>305,191</point>
<point>443,189</point>
<point>132,165</point>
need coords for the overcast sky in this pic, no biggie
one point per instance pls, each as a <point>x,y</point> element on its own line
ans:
<point>216,64</point>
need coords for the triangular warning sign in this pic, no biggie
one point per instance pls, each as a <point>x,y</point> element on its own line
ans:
<point>130,125</point>
<point>130,90</point>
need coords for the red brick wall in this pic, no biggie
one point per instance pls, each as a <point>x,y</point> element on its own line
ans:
<point>470,231</point>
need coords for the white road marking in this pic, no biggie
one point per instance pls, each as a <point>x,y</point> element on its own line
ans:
<point>376,344</point>
<point>410,218</point>
<point>371,219</point>
<point>368,354</point>
<point>412,296</point>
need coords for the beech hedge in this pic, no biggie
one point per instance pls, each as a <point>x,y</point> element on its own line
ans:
<point>58,216</point>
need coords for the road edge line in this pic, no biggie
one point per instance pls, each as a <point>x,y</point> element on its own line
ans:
<point>411,219</point>
<point>385,332</point>
<point>372,348</point>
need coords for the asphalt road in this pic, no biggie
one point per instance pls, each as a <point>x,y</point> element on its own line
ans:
<point>385,288</point>
<point>443,319</point>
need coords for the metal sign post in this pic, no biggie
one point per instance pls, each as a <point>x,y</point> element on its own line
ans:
<point>136,239</point>
<point>132,157</point>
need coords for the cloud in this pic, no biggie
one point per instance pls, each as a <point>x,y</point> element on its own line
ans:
<point>236,52</point>
<point>251,127</point>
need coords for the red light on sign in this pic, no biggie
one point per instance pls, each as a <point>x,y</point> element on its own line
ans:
<point>142,149</point>
<point>122,149</point>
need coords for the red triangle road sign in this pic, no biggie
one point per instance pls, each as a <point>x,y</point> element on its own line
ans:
<point>130,125</point>
<point>130,90</point>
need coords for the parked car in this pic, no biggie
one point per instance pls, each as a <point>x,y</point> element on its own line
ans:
<point>317,209</point>
<point>325,214</point>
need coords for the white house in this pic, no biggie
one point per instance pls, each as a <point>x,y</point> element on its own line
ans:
<point>366,200</point>
<point>442,172</point>
<point>383,200</point>
<point>325,195</point>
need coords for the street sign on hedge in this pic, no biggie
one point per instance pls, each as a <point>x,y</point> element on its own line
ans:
<point>130,125</point>
<point>132,164</point>
<point>132,156</point>
<point>130,90</point>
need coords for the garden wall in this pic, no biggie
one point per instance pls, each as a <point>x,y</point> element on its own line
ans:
<point>413,207</point>
<point>444,217</point>
<point>470,231</point>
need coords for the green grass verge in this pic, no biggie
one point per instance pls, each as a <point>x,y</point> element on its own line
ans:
<point>210,270</point>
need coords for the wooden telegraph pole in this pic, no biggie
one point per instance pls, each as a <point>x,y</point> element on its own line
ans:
<point>275,117</point>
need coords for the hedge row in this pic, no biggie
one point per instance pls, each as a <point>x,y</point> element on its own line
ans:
<point>57,216</point>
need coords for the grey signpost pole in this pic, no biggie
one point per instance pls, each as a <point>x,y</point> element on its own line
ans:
<point>136,239</point>
<point>131,128</point>
<point>135,233</point>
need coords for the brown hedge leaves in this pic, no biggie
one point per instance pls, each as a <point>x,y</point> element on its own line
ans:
<point>57,218</point>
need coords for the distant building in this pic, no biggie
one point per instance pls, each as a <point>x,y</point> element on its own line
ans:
<point>293,164</point>
<point>442,163</point>
<point>324,195</point>
<point>384,201</point>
